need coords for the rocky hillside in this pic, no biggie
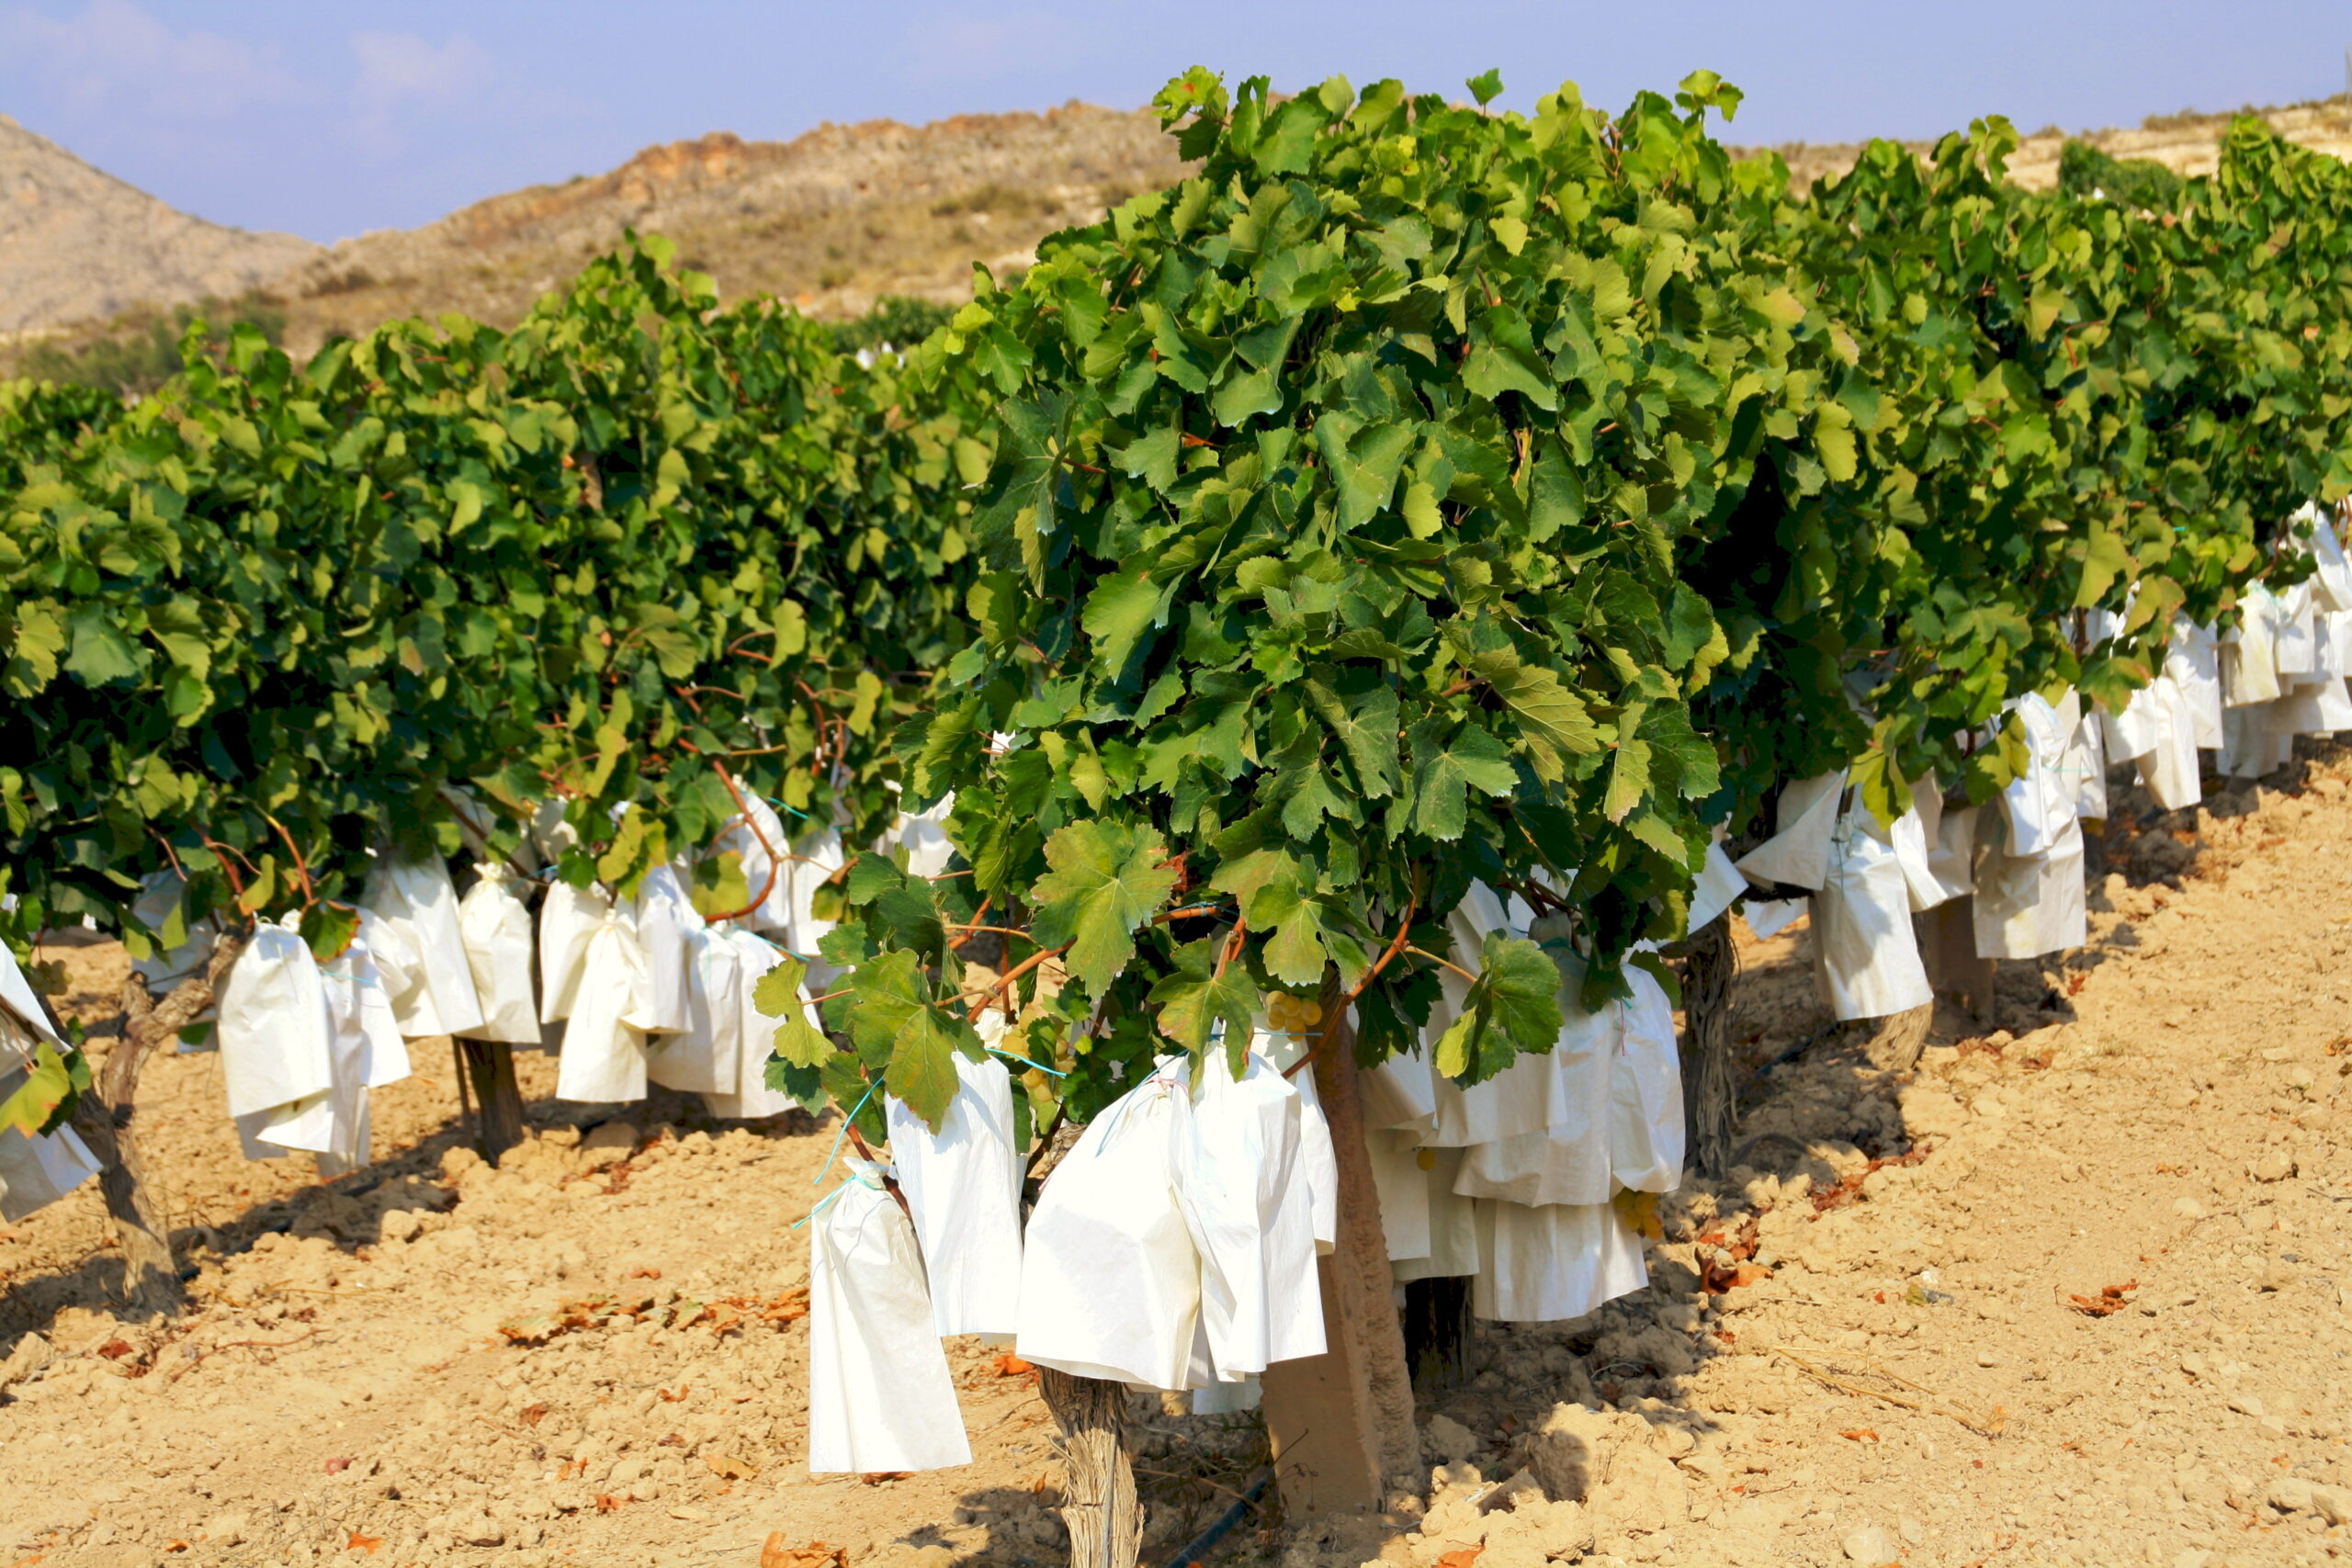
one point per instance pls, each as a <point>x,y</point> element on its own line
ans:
<point>2189,143</point>
<point>76,244</point>
<point>832,219</point>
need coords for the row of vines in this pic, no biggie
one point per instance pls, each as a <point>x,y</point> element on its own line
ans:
<point>1414,494</point>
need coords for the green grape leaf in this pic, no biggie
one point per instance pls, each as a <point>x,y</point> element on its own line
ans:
<point>100,655</point>
<point>1360,708</point>
<point>1107,881</point>
<point>45,1099</point>
<point>1512,1007</point>
<point>1447,767</point>
<point>797,1041</point>
<point>1118,612</point>
<point>1192,998</point>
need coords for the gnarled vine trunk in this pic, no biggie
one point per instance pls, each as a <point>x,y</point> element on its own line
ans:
<point>1099,1505</point>
<point>1709,1095</point>
<point>486,1068</point>
<point>107,1120</point>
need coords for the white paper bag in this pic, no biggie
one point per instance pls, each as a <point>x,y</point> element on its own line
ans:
<point>2313,707</point>
<point>1110,1278</point>
<point>1399,1092</point>
<point>1719,886</point>
<point>815,860</point>
<point>1798,852</point>
<point>1915,836</point>
<point>416,897</point>
<point>1318,1161</point>
<point>1403,1185</point>
<point>2194,661</point>
<point>494,923</point>
<point>1453,1221</point>
<point>1552,1264</point>
<point>2331,575</point>
<point>1234,1145</point>
<point>365,1047</point>
<point>1518,1099</point>
<point>765,850</point>
<point>963,1187</point>
<point>160,893</point>
<point>752,1098</point>
<point>881,1396</point>
<point>665,922</point>
<point>923,835</point>
<point>2081,765</point>
<point>1568,1161</point>
<point>37,1172</point>
<point>603,1058</point>
<point>2296,649</point>
<point>276,1056</point>
<point>2038,802</point>
<point>706,1057</point>
<point>1864,949</point>
<point>2251,744</point>
<point>569,917</point>
<point>2250,651</point>
<point>2028,905</point>
<point>1646,1124</point>
<point>1768,918</point>
<point>2168,768</point>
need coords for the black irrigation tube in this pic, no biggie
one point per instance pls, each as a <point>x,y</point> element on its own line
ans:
<point>1198,1547</point>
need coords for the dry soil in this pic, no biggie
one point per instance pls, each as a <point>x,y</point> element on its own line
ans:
<point>2072,1291</point>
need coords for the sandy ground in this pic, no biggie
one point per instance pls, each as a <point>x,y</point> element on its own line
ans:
<point>2073,1292</point>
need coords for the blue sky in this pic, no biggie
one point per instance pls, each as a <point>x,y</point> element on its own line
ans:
<point>328,119</point>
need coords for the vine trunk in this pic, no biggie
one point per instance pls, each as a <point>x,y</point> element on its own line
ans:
<point>1099,1505</point>
<point>107,1121</point>
<point>1709,1094</point>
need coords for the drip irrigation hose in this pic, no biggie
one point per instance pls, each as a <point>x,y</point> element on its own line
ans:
<point>1198,1547</point>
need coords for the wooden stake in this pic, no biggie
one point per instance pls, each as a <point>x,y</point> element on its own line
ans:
<point>1342,1423</point>
<point>1099,1505</point>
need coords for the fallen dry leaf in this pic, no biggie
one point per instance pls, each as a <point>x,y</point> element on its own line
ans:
<point>733,1469</point>
<point>1861,1434</point>
<point>115,1350</point>
<point>789,1307</point>
<point>774,1553</point>
<point>531,1414</point>
<point>1012,1366</point>
<point>671,1396</point>
<point>1719,1279</point>
<point>2109,1302</point>
<point>606,1503</point>
<point>1461,1558</point>
<point>876,1477</point>
<point>175,1544</point>
<point>370,1544</point>
<point>645,1273</point>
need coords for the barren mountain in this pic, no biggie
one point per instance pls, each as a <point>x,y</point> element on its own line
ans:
<point>831,219</point>
<point>76,244</point>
